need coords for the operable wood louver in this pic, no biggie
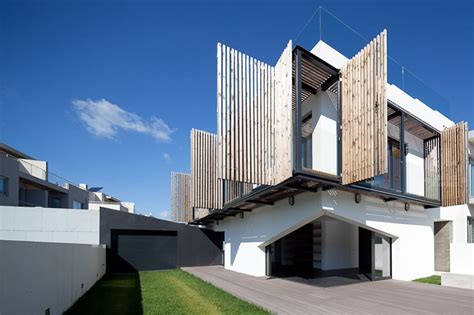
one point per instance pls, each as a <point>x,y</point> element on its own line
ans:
<point>254,117</point>
<point>364,113</point>
<point>205,192</point>
<point>181,197</point>
<point>453,165</point>
<point>209,191</point>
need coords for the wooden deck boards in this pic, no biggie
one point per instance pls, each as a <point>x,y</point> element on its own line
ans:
<point>380,297</point>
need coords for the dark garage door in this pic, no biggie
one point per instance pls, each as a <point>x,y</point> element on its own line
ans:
<point>144,250</point>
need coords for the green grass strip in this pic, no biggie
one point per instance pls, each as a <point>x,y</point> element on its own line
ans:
<point>159,292</point>
<point>431,280</point>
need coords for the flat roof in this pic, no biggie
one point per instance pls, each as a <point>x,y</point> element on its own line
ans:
<point>12,151</point>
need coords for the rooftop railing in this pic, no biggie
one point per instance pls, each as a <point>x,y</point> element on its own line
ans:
<point>40,173</point>
<point>325,26</point>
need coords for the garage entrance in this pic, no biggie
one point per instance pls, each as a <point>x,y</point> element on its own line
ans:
<point>328,247</point>
<point>140,250</point>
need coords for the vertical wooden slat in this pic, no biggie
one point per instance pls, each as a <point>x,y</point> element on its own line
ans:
<point>180,197</point>
<point>453,167</point>
<point>364,115</point>
<point>254,109</point>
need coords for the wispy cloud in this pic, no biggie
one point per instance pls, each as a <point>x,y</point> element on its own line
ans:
<point>104,119</point>
<point>165,215</point>
<point>166,157</point>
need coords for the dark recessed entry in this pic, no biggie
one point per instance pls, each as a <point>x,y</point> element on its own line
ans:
<point>137,250</point>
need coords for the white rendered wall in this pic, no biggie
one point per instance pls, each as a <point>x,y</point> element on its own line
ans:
<point>462,258</point>
<point>36,276</point>
<point>324,135</point>
<point>340,244</point>
<point>38,169</point>
<point>461,252</point>
<point>324,132</point>
<point>415,165</point>
<point>49,225</point>
<point>244,238</point>
<point>411,232</point>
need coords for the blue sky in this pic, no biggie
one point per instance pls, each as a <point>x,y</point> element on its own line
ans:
<point>108,91</point>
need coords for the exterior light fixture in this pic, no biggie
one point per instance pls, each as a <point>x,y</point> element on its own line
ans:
<point>241,215</point>
<point>407,206</point>
<point>291,200</point>
<point>357,198</point>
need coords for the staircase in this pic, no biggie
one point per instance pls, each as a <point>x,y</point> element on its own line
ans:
<point>317,244</point>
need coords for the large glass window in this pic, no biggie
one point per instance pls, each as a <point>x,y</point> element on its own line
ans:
<point>3,185</point>
<point>391,180</point>
<point>77,205</point>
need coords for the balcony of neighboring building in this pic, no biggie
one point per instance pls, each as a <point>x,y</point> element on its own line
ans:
<point>28,182</point>
<point>99,200</point>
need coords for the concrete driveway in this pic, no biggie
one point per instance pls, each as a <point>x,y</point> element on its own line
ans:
<point>379,297</point>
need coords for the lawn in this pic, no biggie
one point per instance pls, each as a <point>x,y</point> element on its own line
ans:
<point>159,292</point>
<point>430,280</point>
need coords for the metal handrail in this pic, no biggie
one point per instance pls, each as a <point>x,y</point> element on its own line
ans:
<point>46,174</point>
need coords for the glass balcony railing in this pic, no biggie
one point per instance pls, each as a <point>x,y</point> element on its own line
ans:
<point>325,26</point>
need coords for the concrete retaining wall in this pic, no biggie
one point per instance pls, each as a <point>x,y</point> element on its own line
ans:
<point>37,276</point>
<point>49,225</point>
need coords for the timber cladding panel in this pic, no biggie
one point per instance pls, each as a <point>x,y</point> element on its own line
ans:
<point>206,193</point>
<point>181,197</point>
<point>209,191</point>
<point>364,113</point>
<point>454,165</point>
<point>254,117</point>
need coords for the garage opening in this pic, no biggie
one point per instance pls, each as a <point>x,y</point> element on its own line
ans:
<point>140,250</point>
<point>329,248</point>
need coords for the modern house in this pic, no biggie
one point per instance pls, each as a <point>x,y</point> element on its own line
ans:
<point>27,182</point>
<point>321,166</point>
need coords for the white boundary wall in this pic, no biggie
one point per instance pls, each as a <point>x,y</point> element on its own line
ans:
<point>49,225</point>
<point>36,276</point>
<point>411,231</point>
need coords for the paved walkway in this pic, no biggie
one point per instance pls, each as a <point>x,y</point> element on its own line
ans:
<point>378,297</point>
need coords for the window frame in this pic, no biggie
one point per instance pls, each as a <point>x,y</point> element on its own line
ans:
<point>470,230</point>
<point>5,181</point>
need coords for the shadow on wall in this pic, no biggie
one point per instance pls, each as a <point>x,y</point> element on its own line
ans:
<point>235,246</point>
<point>113,294</point>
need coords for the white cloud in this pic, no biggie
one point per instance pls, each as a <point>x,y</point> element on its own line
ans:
<point>165,215</point>
<point>104,119</point>
<point>166,157</point>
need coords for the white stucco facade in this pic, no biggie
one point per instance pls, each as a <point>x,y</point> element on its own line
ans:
<point>461,252</point>
<point>411,232</point>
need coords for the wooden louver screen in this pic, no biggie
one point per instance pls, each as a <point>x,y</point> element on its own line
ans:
<point>453,165</point>
<point>364,113</point>
<point>209,191</point>
<point>253,117</point>
<point>181,197</point>
<point>205,189</point>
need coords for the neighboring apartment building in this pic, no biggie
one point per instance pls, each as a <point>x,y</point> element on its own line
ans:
<point>321,166</point>
<point>98,199</point>
<point>27,182</point>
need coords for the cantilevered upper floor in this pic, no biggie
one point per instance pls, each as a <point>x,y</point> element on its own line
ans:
<point>319,120</point>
